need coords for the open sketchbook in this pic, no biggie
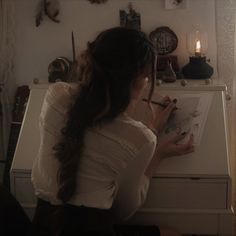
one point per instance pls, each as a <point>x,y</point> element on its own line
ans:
<point>190,116</point>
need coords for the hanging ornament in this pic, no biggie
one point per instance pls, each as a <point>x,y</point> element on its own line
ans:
<point>50,8</point>
<point>132,19</point>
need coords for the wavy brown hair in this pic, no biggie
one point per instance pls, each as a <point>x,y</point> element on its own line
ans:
<point>109,69</point>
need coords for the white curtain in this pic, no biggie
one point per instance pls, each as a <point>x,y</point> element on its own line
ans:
<point>226,57</point>
<point>7,79</point>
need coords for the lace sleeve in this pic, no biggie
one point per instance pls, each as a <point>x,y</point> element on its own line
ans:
<point>133,184</point>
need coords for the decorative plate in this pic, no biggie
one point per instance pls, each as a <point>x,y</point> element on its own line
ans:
<point>164,39</point>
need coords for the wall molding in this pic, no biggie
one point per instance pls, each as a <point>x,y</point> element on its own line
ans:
<point>226,64</point>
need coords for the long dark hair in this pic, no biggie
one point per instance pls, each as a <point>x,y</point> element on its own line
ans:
<point>110,67</point>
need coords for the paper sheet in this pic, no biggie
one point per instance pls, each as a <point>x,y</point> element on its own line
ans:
<point>190,116</point>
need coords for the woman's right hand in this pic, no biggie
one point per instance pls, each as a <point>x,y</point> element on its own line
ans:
<point>170,146</point>
<point>162,115</point>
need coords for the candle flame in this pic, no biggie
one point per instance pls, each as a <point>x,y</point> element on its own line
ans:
<point>198,46</point>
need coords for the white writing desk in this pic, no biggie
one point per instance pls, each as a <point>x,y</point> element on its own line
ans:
<point>191,193</point>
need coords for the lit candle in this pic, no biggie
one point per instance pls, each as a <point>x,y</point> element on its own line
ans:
<point>198,48</point>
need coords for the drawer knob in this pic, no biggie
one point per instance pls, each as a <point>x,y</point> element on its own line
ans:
<point>183,82</point>
<point>159,82</point>
<point>228,96</point>
<point>208,81</point>
<point>35,80</point>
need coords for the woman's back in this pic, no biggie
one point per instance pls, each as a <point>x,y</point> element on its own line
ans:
<point>109,150</point>
<point>93,157</point>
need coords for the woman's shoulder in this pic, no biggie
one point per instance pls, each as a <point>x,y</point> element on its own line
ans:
<point>60,94</point>
<point>141,133</point>
<point>62,88</point>
<point>131,131</point>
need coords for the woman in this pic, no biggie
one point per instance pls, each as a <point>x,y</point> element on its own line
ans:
<point>95,161</point>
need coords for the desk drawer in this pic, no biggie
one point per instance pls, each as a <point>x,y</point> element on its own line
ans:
<point>186,223</point>
<point>187,194</point>
<point>23,190</point>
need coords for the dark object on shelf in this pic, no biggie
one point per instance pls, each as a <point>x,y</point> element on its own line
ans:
<point>164,40</point>
<point>21,100</point>
<point>59,69</point>
<point>13,138</point>
<point>169,74</point>
<point>50,8</point>
<point>13,218</point>
<point>130,20</point>
<point>162,62</point>
<point>162,65</point>
<point>197,68</point>
<point>98,1</point>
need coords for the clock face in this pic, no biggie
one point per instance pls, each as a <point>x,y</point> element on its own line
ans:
<point>164,39</point>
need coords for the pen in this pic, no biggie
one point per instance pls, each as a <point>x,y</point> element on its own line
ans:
<point>159,103</point>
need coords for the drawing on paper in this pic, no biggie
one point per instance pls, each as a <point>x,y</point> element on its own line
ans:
<point>184,115</point>
<point>190,116</point>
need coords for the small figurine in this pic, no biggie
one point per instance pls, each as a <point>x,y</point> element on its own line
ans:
<point>130,20</point>
<point>169,74</point>
<point>48,7</point>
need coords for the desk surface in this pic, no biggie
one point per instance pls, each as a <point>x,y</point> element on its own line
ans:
<point>210,159</point>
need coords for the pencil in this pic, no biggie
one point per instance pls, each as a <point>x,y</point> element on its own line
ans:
<point>158,103</point>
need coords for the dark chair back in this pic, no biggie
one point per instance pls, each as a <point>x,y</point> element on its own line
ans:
<point>69,220</point>
<point>13,219</point>
<point>47,220</point>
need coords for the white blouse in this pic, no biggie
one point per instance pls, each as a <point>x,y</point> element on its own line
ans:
<point>111,169</point>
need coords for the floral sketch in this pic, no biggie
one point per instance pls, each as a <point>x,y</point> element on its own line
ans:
<point>190,115</point>
<point>184,115</point>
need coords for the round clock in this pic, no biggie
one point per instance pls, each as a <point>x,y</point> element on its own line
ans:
<point>164,39</point>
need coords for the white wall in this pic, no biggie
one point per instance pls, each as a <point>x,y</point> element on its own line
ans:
<point>37,47</point>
